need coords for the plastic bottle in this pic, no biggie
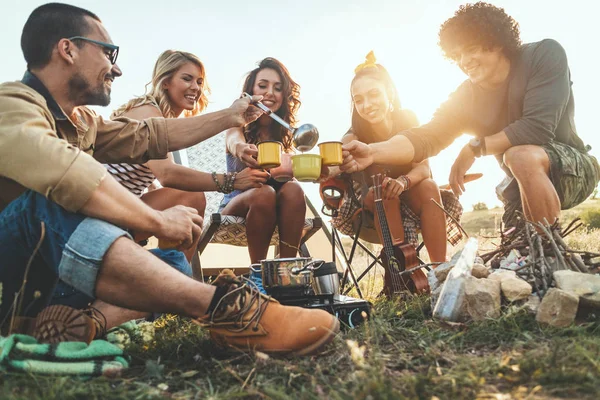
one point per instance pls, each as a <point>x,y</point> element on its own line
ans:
<point>449,304</point>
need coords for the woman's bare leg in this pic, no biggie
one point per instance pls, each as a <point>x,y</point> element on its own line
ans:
<point>291,212</point>
<point>433,220</point>
<point>258,207</point>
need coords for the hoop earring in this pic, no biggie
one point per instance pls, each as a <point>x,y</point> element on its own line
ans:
<point>391,107</point>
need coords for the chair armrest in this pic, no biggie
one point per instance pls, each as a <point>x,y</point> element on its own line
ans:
<point>317,224</point>
<point>215,222</point>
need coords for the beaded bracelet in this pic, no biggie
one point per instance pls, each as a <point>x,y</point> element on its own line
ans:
<point>228,181</point>
<point>232,181</point>
<point>216,180</point>
<point>406,180</point>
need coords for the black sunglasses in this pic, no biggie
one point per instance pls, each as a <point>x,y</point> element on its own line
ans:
<point>114,50</point>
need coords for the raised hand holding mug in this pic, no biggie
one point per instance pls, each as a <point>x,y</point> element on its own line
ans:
<point>331,153</point>
<point>269,154</point>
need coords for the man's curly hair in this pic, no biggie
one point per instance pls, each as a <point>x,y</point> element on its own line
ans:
<point>480,24</point>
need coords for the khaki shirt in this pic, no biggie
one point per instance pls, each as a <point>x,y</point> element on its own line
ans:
<point>43,150</point>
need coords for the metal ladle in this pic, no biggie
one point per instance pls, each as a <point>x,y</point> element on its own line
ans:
<point>305,137</point>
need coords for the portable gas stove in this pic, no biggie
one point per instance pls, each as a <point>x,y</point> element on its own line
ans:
<point>347,309</point>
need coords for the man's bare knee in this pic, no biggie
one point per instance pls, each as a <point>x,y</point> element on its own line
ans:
<point>526,160</point>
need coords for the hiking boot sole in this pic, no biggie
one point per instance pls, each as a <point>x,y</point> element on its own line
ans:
<point>60,323</point>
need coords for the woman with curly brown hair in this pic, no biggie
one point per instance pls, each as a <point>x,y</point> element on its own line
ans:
<point>517,102</point>
<point>269,205</point>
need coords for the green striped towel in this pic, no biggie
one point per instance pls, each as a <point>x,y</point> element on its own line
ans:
<point>24,353</point>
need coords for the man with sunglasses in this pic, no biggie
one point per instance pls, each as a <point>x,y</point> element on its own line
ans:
<point>63,216</point>
<point>518,102</point>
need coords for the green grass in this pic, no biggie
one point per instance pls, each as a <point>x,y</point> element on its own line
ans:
<point>406,355</point>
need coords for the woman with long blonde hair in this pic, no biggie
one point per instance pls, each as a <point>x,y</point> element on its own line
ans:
<point>178,88</point>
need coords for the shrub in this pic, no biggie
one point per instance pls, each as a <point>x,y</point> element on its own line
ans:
<point>591,217</point>
<point>481,206</point>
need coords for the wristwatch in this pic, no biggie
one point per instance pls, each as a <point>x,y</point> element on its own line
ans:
<point>477,145</point>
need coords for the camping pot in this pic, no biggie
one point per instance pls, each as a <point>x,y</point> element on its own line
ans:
<point>287,272</point>
<point>326,279</point>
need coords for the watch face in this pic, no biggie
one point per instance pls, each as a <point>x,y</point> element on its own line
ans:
<point>475,145</point>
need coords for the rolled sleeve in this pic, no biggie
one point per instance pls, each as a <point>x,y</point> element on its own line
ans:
<point>125,140</point>
<point>546,97</point>
<point>159,138</point>
<point>32,154</point>
<point>447,124</point>
<point>78,183</point>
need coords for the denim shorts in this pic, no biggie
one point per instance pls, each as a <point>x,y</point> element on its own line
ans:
<point>72,250</point>
<point>69,296</point>
<point>574,175</point>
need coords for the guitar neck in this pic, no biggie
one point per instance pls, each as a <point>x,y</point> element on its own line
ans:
<point>388,245</point>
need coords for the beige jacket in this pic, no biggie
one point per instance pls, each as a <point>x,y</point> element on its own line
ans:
<point>43,150</point>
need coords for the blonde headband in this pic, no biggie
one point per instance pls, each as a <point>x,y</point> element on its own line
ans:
<point>370,61</point>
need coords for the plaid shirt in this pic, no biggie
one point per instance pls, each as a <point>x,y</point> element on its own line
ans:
<point>347,214</point>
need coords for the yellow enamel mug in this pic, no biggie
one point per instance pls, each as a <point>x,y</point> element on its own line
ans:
<point>331,152</point>
<point>168,244</point>
<point>306,167</point>
<point>269,154</point>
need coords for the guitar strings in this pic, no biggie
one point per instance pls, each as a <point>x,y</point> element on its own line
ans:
<point>398,282</point>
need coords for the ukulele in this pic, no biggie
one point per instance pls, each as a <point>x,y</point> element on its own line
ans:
<point>398,256</point>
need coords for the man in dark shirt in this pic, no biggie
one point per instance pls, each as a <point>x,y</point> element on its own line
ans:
<point>518,103</point>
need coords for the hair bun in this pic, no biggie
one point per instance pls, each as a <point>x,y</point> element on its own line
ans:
<point>370,61</point>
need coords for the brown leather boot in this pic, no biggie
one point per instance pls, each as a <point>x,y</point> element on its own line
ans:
<point>246,320</point>
<point>59,323</point>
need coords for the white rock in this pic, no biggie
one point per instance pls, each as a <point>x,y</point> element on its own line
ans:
<point>502,274</point>
<point>515,289</point>
<point>532,304</point>
<point>558,308</point>
<point>586,286</point>
<point>480,271</point>
<point>482,298</point>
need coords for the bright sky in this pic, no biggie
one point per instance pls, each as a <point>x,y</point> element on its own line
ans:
<point>321,42</point>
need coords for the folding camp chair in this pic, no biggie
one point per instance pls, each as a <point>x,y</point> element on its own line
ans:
<point>361,236</point>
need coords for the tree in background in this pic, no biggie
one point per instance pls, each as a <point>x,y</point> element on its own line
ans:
<point>481,206</point>
<point>591,217</point>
